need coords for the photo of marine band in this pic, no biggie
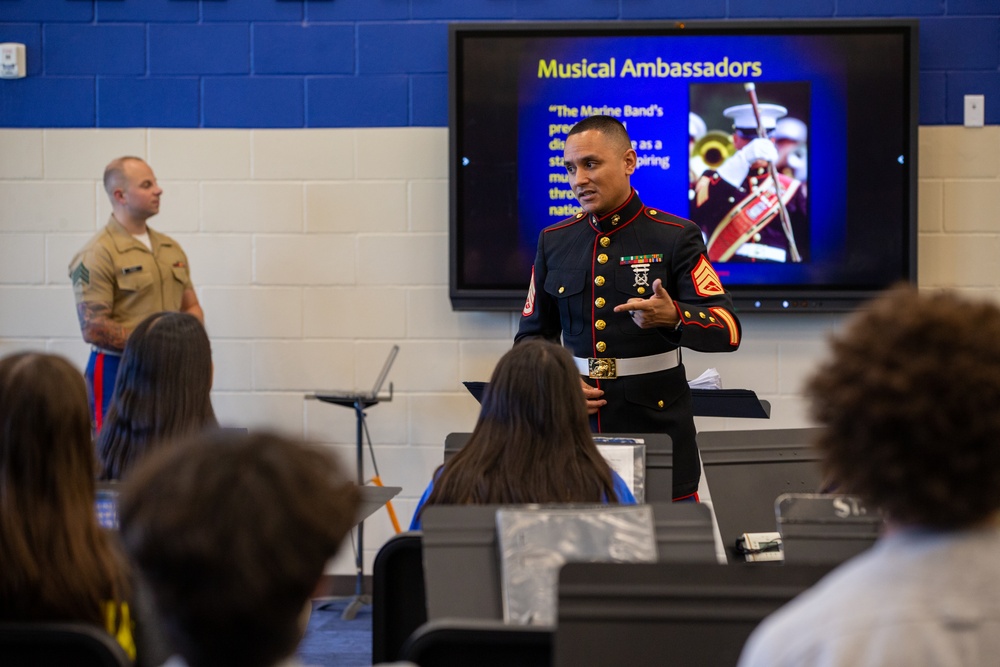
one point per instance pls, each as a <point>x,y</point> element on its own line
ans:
<point>748,170</point>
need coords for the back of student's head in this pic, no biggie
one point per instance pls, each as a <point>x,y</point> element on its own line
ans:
<point>531,394</point>
<point>910,402</point>
<point>162,391</point>
<point>55,562</point>
<point>532,442</point>
<point>231,532</point>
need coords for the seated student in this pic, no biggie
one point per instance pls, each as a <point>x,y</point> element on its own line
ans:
<point>232,532</point>
<point>162,391</point>
<point>56,563</point>
<point>532,443</point>
<point>910,405</point>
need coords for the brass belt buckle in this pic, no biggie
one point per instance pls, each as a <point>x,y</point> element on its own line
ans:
<point>602,369</point>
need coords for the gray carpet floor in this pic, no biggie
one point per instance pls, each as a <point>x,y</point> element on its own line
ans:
<point>332,642</point>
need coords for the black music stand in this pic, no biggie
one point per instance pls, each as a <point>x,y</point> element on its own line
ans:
<point>704,402</point>
<point>359,402</point>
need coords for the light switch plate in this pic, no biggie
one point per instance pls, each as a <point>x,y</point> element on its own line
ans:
<point>975,113</point>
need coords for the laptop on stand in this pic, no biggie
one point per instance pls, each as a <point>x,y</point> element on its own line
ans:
<point>369,396</point>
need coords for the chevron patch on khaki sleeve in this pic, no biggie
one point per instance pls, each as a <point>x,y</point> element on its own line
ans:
<point>80,275</point>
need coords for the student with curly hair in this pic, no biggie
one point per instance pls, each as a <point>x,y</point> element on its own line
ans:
<point>910,405</point>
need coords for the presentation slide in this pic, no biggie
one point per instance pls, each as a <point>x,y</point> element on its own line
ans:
<point>653,85</point>
<point>833,221</point>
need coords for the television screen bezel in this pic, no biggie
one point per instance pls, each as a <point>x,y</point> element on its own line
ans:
<point>746,298</point>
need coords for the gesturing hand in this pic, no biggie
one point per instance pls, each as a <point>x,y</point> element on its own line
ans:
<point>593,397</point>
<point>656,311</point>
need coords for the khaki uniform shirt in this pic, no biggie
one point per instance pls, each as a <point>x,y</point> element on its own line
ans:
<point>119,270</point>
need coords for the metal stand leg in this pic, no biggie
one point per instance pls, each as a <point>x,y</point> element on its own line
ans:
<point>360,599</point>
<point>359,402</point>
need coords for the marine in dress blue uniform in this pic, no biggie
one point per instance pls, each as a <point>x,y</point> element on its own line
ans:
<point>593,269</point>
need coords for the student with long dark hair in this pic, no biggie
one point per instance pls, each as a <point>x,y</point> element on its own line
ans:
<point>56,563</point>
<point>532,443</point>
<point>162,391</point>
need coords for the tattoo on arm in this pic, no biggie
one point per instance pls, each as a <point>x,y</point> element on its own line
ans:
<point>98,328</point>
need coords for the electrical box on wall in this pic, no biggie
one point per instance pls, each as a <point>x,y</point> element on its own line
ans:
<point>974,110</point>
<point>12,61</point>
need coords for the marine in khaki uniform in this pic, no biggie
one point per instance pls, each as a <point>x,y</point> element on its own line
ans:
<point>124,273</point>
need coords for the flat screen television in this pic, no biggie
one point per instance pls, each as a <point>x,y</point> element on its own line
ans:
<point>847,125</point>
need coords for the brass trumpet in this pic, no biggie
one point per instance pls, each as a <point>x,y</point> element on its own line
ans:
<point>714,148</point>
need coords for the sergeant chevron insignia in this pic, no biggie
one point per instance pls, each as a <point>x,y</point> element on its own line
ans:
<point>80,274</point>
<point>706,281</point>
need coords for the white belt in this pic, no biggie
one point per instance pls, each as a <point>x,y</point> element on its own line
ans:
<point>608,368</point>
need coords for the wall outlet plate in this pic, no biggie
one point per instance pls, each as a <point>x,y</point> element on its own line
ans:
<point>975,112</point>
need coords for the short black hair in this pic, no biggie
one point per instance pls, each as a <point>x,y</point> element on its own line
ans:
<point>607,125</point>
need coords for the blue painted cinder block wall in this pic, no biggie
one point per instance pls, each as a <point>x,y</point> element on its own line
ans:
<point>373,63</point>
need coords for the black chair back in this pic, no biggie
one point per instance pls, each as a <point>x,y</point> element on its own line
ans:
<point>399,603</point>
<point>58,645</point>
<point>460,643</point>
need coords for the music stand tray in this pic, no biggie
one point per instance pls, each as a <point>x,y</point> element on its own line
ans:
<point>704,402</point>
<point>729,403</point>
<point>374,498</point>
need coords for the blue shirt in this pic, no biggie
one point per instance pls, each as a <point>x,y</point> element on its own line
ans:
<point>625,497</point>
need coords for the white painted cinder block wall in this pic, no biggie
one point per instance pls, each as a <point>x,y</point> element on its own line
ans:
<point>313,251</point>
